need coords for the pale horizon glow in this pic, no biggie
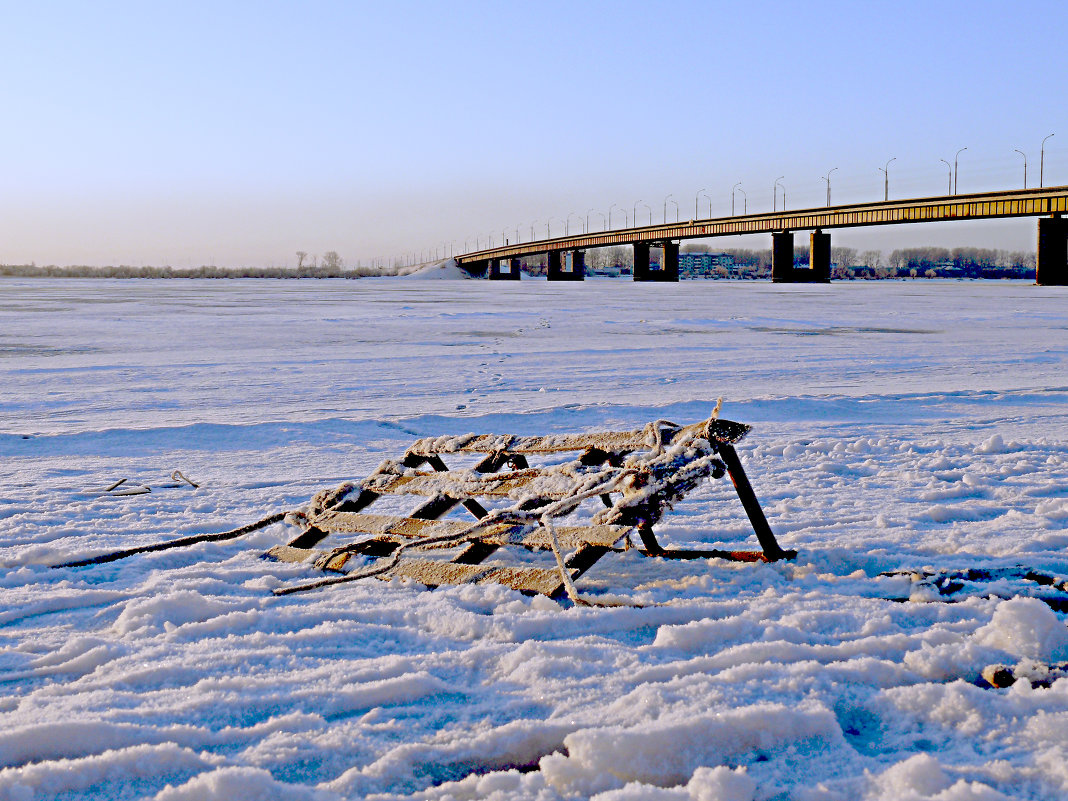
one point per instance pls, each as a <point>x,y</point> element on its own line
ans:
<point>238,133</point>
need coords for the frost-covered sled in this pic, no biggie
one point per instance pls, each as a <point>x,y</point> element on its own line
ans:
<point>636,476</point>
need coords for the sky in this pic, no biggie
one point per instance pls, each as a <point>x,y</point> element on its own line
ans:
<point>237,133</point>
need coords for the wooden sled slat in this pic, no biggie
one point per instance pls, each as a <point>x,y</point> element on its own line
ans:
<point>500,534</point>
<point>456,485</point>
<point>545,581</point>
<point>726,431</point>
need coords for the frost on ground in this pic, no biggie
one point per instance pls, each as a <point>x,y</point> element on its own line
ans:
<point>914,429</point>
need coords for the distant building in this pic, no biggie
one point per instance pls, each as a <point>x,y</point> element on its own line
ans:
<point>706,265</point>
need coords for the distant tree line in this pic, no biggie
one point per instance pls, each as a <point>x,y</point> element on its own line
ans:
<point>330,265</point>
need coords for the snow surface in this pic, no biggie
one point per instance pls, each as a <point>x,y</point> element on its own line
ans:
<point>897,426</point>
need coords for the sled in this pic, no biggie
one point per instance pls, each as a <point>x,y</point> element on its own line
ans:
<point>631,477</point>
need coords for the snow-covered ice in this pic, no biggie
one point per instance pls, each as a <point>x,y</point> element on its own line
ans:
<point>898,426</point>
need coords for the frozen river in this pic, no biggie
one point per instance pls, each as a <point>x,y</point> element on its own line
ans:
<point>896,425</point>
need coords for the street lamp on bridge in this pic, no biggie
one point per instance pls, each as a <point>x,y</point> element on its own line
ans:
<point>665,207</point>
<point>676,205</point>
<point>567,222</point>
<point>1025,164</point>
<point>610,214</point>
<point>649,209</point>
<point>733,188</point>
<point>886,179</point>
<point>827,178</point>
<point>955,173</point>
<point>548,230</point>
<point>603,221</point>
<point>745,201</point>
<point>775,195</point>
<point>634,215</point>
<point>532,230</point>
<point>697,197</point>
<point>1042,163</point>
<point>949,185</point>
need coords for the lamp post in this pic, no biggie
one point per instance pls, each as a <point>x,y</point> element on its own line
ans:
<point>603,223</point>
<point>665,207</point>
<point>548,229</point>
<point>1025,164</point>
<point>697,197</point>
<point>827,178</point>
<point>745,202</point>
<point>949,185</point>
<point>634,215</point>
<point>708,197</point>
<point>504,236</point>
<point>676,205</point>
<point>532,230</point>
<point>775,195</point>
<point>610,215</point>
<point>1042,163</point>
<point>955,173</point>
<point>733,188</point>
<point>886,179</point>
<point>568,222</point>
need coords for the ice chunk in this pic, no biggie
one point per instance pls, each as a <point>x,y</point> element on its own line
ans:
<point>1026,627</point>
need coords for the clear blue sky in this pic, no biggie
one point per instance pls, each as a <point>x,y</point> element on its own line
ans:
<point>241,132</point>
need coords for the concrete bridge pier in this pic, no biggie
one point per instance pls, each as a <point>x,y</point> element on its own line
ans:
<point>641,261</point>
<point>1051,262</point>
<point>567,265</point>
<point>669,263</point>
<point>504,269</point>
<point>782,257</point>
<point>819,257</point>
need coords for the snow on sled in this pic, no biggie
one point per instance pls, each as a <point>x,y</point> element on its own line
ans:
<point>632,477</point>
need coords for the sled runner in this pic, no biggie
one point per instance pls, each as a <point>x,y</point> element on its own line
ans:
<point>630,477</point>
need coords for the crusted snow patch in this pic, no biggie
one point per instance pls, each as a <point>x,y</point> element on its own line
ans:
<point>721,784</point>
<point>239,784</point>
<point>1026,627</point>
<point>49,778</point>
<point>668,752</point>
<point>170,610</point>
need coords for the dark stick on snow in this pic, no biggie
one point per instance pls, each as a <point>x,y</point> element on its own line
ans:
<point>179,543</point>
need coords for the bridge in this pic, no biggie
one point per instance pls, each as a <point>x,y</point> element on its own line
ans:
<point>566,254</point>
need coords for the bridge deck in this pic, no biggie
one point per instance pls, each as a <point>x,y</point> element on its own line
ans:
<point>1014,203</point>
